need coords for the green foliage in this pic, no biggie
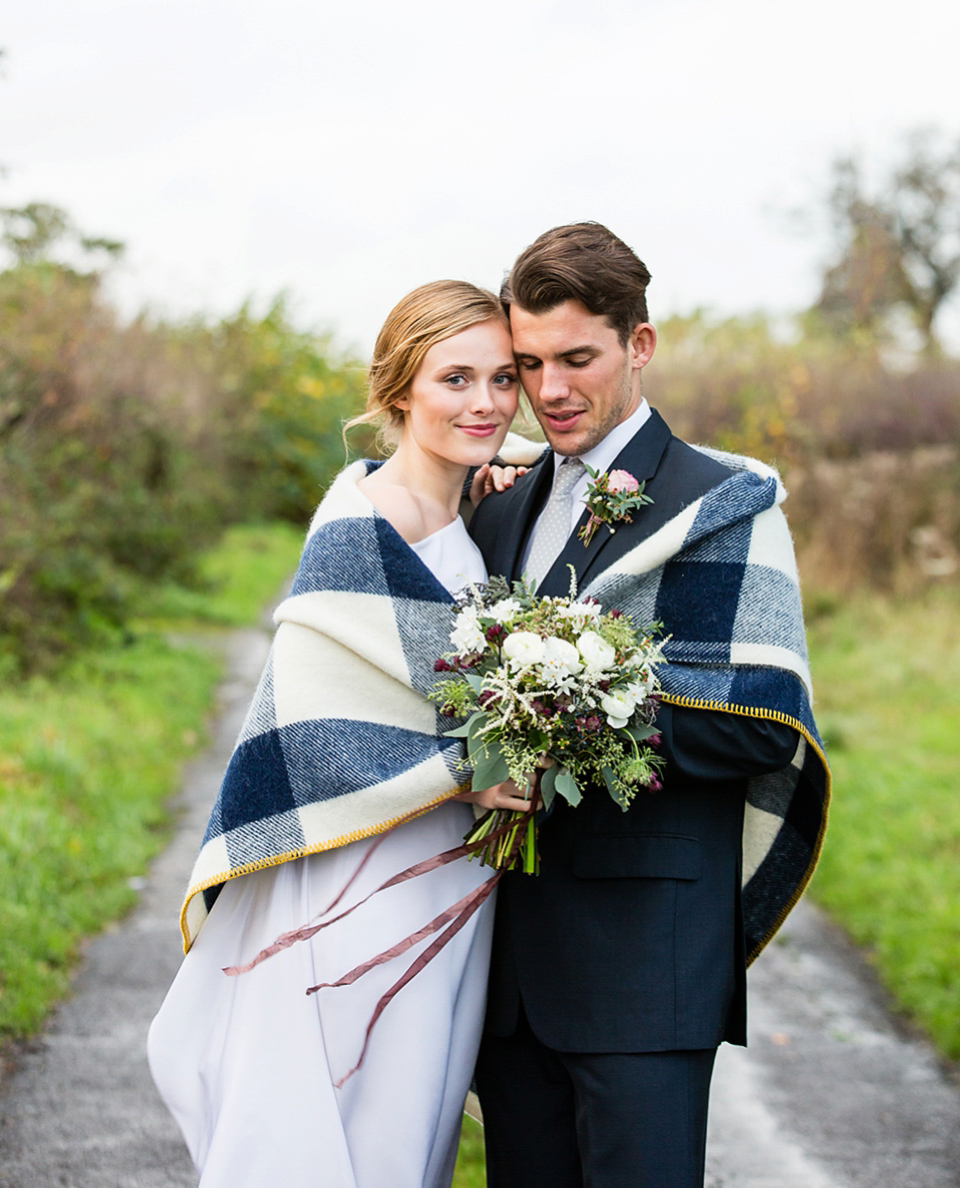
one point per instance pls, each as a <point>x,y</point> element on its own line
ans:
<point>87,764</point>
<point>126,448</point>
<point>867,449</point>
<point>888,681</point>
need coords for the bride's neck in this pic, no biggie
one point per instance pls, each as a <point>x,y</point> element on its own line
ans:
<point>432,480</point>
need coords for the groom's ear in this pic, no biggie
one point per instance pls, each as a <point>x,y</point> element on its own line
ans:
<point>642,344</point>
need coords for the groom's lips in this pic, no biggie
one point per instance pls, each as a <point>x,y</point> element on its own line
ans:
<point>564,420</point>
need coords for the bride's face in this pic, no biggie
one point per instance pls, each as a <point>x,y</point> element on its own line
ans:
<point>464,396</point>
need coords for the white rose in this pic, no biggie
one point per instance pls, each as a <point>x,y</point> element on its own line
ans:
<point>618,705</point>
<point>467,636</point>
<point>596,652</point>
<point>523,648</point>
<point>560,659</point>
<point>504,610</point>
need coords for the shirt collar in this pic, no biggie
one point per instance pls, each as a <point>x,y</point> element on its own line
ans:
<point>601,457</point>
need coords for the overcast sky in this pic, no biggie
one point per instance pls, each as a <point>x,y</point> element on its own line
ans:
<point>350,151</point>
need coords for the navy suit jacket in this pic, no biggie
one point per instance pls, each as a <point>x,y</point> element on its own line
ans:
<point>630,938</point>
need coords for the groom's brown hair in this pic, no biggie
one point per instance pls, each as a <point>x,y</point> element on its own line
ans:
<point>581,262</point>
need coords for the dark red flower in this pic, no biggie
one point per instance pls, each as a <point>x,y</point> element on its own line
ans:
<point>441,665</point>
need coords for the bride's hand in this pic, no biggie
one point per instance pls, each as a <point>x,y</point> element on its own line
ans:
<point>490,478</point>
<point>500,796</point>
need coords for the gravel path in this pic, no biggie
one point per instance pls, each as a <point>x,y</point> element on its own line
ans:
<point>831,1092</point>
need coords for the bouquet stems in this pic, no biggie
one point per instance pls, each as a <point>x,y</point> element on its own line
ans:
<point>506,839</point>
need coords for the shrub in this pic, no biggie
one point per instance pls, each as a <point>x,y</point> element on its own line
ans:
<point>128,447</point>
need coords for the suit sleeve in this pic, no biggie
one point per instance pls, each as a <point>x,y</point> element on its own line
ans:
<point>712,745</point>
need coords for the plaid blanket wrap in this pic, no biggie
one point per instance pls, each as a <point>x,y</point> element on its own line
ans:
<point>722,579</point>
<point>340,742</point>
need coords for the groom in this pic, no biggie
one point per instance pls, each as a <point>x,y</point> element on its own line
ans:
<point>621,967</point>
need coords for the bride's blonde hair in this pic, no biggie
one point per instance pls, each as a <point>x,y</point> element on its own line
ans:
<point>417,322</point>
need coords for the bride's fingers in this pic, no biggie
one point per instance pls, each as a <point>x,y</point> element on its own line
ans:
<point>515,803</point>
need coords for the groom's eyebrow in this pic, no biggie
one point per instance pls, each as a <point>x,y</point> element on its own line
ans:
<point>567,354</point>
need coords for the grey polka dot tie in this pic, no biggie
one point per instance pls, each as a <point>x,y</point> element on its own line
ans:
<point>554,525</point>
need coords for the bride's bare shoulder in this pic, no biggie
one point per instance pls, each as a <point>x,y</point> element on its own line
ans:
<point>397,504</point>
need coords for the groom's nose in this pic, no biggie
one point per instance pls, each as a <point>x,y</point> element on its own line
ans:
<point>553,383</point>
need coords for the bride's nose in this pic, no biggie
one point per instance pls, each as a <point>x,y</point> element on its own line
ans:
<point>481,398</point>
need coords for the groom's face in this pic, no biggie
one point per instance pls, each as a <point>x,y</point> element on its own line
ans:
<point>580,380</point>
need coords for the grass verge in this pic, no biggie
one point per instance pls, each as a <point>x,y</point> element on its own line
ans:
<point>888,685</point>
<point>470,1171</point>
<point>89,759</point>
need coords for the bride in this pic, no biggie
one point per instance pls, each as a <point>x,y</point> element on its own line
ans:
<point>339,745</point>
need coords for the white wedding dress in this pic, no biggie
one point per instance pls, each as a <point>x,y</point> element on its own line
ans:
<point>247,1065</point>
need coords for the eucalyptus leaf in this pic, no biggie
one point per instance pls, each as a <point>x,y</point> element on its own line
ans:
<point>473,680</point>
<point>612,789</point>
<point>566,785</point>
<point>548,785</point>
<point>468,729</point>
<point>488,769</point>
<point>641,733</point>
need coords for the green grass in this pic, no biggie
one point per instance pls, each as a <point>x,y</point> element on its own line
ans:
<point>88,761</point>
<point>470,1171</point>
<point>888,684</point>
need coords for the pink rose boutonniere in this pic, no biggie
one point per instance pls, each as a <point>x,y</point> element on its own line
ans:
<point>610,499</point>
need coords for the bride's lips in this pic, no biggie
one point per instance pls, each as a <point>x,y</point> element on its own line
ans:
<point>484,430</point>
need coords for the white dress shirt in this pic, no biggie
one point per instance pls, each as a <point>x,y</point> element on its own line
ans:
<point>600,458</point>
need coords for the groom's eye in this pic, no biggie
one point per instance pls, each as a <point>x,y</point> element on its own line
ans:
<point>528,364</point>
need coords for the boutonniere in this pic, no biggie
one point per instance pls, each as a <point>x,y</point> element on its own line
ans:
<point>610,499</point>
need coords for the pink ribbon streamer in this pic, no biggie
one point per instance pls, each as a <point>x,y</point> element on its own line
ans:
<point>452,919</point>
<point>286,939</point>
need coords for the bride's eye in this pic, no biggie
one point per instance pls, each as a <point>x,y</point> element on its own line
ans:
<point>457,380</point>
<point>505,380</point>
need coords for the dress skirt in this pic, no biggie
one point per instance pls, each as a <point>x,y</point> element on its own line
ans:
<point>247,1065</point>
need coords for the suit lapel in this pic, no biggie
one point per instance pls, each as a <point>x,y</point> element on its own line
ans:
<point>640,457</point>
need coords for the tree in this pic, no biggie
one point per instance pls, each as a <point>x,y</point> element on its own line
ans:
<point>33,232</point>
<point>927,190</point>
<point>897,247</point>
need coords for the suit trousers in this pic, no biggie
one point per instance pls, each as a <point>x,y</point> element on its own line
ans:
<point>592,1120</point>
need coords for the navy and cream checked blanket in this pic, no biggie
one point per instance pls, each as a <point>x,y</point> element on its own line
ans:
<point>722,579</point>
<point>340,741</point>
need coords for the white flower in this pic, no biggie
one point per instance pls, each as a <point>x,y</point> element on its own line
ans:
<point>560,660</point>
<point>618,705</point>
<point>639,689</point>
<point>504,610</point>
<point>596,652</point>
<point>523,648</point>
<point>467,635</point>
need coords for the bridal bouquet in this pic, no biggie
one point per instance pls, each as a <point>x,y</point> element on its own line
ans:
<point>549,686</point>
